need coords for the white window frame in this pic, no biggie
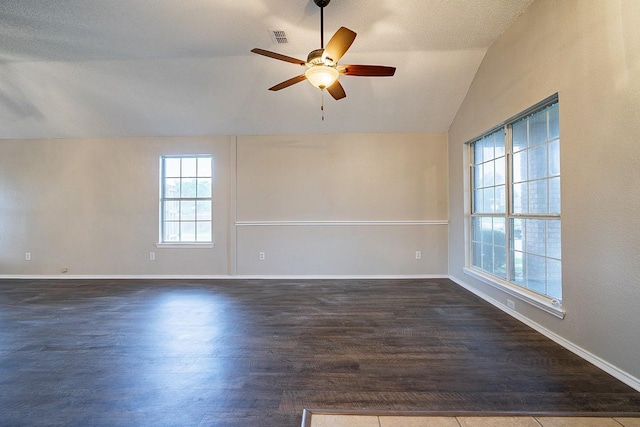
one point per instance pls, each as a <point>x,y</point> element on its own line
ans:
<point>184,243</point>
<point>545,302</point>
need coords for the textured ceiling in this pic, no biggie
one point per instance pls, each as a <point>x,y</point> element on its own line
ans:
<point>78,68</point>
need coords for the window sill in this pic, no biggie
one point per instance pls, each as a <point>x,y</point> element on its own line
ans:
<point>546,304</point>
<point>184,245</point>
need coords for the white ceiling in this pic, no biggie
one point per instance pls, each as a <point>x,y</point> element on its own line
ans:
<point>79,68</point>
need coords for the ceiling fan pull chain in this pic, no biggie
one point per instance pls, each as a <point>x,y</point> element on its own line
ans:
<point>322,105</point>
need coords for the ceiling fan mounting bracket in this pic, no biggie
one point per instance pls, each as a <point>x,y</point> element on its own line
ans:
<point>321,3</point>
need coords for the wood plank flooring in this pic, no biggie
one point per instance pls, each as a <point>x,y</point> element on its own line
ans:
<point>257,352</point>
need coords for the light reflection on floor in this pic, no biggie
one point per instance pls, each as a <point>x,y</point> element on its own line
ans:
<point>184,332</point>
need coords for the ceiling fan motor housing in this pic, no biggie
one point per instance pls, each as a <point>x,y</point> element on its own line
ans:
<point>315,57</point>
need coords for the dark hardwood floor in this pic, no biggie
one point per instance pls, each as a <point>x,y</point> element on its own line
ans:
<point>256,352</point>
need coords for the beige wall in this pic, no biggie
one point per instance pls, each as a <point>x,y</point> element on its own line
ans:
<point>589,53</point>
<point>301,195</point>
<point>91,205</point>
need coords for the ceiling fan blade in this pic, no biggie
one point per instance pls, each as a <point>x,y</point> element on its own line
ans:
<point>336,90</point>
<point>367,70</point>
<point>279,56</point>
<point>339,44</point>
<point>287,83</point>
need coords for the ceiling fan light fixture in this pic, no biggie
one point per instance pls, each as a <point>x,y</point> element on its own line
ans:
<point>322,76</point>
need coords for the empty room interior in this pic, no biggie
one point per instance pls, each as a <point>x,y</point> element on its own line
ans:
<point>448,225</point>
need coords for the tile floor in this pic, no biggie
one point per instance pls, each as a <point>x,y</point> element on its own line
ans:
<point>329,420</point>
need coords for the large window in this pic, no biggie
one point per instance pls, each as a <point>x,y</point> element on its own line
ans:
<point>185,199</point>
<point>515,206</point>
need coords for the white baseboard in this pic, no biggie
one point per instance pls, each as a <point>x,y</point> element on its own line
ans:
<point>612,370</point>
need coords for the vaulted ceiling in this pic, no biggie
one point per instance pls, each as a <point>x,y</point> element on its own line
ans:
<point>110,68</point>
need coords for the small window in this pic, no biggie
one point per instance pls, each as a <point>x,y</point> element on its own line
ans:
<point>185,199</point>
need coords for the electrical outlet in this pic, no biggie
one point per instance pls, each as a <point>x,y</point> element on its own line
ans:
<point>27,256</point>
<point>261,256</point>
<point>152,256</point>
<point>418,254</point>
<point>511,304</point>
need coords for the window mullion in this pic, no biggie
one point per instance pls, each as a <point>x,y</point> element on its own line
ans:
<point>508,196</point>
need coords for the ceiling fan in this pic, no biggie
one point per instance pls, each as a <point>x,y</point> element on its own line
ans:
<point>323,70</point>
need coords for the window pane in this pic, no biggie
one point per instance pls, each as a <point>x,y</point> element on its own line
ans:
<point>487,230</point>
<point>189,167</point>
<point>188,187</point>
<point>476,255</point>
<point>519,268</point>
<point>554,195</point>
<point>477,176</point>
<point>489,199</point>
<point>204,187</point>
<point>489,177</point>
<point>554,157</point>
<point>172,187</point>
<point>171,231</point>
<point>204,167</point>
<point>188,231</point>
<point>478,201</point>
<point>203,232</point>
<point>499,234</point>
<point>501,200</point>
<point>538,128</point>
<point>554,278</point>
<point>203,210</point>
<point>538,162</point>
<point>187,210</point>
<point>172,167</point>
<point>499,141</point>
<point>554,246</point>
<point>476,228</point>
<point>538,197</point>
<point>554,122</point>
<point>519,135</point>
<point>536,273</point>
<point>519,166</point>
<point>487,258</point>
<point>477,153</point>
<point>171,211</point>
<point>487,148</point>
<point>500,261</point>
<point>520,197</point>
<point>535,236</point>
<point>517,234</point>
<point>499,171</point>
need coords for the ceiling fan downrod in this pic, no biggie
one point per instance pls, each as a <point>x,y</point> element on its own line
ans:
<point>321,4</point>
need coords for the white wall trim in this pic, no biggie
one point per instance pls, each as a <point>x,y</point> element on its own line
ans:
<point>335,223</point>
<point>217,276</point>
<point>612,370</point>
